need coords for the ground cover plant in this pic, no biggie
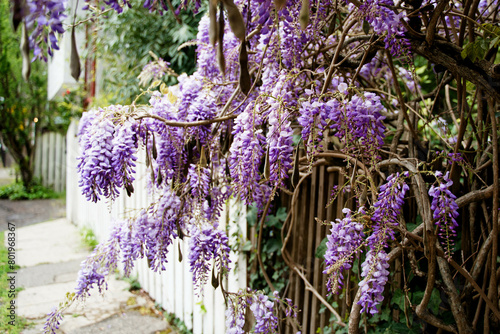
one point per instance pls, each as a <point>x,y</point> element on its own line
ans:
<point>404,93</point>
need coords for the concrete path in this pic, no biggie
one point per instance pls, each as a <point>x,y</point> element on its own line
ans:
<point>50,254</point>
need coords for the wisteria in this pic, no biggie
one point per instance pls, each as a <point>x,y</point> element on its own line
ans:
<point>45,19</point>
<point>283,92</point>
<point>376,274</point>
<point>263,311</point>
<point>207,244</point>
<point>385,219</point>
<point>154,70</point>
<point>344,243</point>
<point>108,153</point>
<point>445,210</point>
<point>235,314</point>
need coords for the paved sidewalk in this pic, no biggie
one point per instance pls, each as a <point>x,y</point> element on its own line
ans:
<point>50,254</point>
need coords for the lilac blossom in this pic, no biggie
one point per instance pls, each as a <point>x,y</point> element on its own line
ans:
<point>263,311</point>
<point>445,210</point>
<point>344,242</point>
<point>207,244</point>
<point>45,18</point>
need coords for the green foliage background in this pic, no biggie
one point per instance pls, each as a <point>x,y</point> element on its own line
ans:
<point>124,42</point>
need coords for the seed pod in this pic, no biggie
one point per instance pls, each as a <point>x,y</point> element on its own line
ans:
<point>18,12</point>
<point>213,29</point>
<point>267,167</point>
<point>279,4</point>
<point>235,19</point>
<point>296,172</point>
<point>245,82</point>
<point>180,252</point>
<point>203,157</point>
<point>130,189</point>
<point>215,281</point>
<point>220,47</point>
<point>153,148</point>
<point>160,178</point>
<point>74,59</point>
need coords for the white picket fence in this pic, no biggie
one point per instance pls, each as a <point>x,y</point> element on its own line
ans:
<point>172,288</point>
<point>50,160</point>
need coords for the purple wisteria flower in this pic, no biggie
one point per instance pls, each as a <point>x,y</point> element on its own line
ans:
<point>103,261</point>
<point>199,181</point>
<point>245,157</point>
<point>108,152</point>
<point>385,21</point>
<point>53,321</point>
<point>155,229</point>
<point>169,140</point>
<point>314,116</point>
<point>280,133</point>
<point>360,123</point>
<point>263,311</point>
<point>375,272</point>
<point>207,244</point>
<point>45,18</point>
<point>235,314</point>
<point>154,70</point>
<point>387,208</point>
<point>344,242</point>
<point>445,211</point>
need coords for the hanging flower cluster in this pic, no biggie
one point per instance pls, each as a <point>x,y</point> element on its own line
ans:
<point>344,242</point>
<point>108,152</point>
<point>261,307</point>
<point>347,240</point>
<point>45,19</point>
<point>207,244</point>
<point>445,210</point>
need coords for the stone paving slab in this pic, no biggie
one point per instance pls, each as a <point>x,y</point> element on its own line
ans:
<point>51,242</point>
<point>49,273</point>
<point>125,323</point>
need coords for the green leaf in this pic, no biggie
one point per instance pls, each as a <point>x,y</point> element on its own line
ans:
<point>435,301</point>
<point>475,50</point>
<point>272,246</point>
<point>399,299</point>
<point>321,250</point>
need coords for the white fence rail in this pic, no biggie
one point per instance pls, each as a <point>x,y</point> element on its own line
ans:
<point>172,288</point>
<point>50,160</point>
